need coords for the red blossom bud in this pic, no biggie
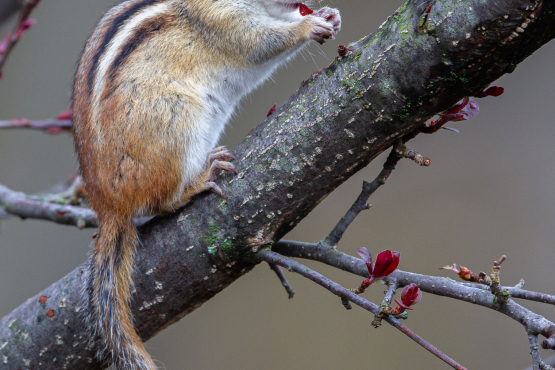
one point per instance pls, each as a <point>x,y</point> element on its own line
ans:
<point>491,91</point>
<point>386,262</point>
<point>24,26</point>
<point>67,114</point>
<point>465,109</point>
<point>271,111</point>
<point>464,273</point>
<point>410,295</point>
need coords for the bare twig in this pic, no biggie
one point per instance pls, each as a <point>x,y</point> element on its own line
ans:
<point>550,361</point>
<point>398,151</point>
<point>368,188</point>
<point>19,204</point>
<point>405,152</point>
<point>531,296</point>
<point>59,188</point>
<point>534,351</point>
<point>11,39</point>
<point>51,126</point>
<point>272,257</point>
<point>484,283</point>
<point>283,279</point>
<point>73,193</point>
<point>388,298</point>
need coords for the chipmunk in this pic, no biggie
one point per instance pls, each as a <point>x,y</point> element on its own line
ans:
<point>156,84</point>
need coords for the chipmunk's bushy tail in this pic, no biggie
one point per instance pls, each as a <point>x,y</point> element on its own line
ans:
<point>108,292</point>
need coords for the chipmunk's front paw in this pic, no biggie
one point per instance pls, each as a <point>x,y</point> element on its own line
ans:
<point>220,153</point>
<point>327,24</point>
<point>331,16</point>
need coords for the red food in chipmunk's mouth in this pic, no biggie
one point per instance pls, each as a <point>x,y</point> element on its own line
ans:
<point>303,9</point>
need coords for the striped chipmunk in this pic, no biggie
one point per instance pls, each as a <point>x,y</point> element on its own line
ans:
<point>155,86</point>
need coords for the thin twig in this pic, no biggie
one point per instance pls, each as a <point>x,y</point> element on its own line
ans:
<point>283,279</point>
<point>291,265</point>
<point>516,291</point>
<point>398,151</point>
<point>51,126</point>
<point>534,351</point>
<point>368,188</point>
<point>533,322</point>
<point>550,361</point>
<point>388,298</point>
<point>73,194</point>
<point>53,207</point>
<point>520,284</point>
<point>19,204</point>
<point>11,39</point>
<point>56,189</point>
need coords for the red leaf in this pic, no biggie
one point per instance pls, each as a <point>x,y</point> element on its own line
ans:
<point>457,107</point>
<point>386,262</point>
<point>24,26</point>
<point>67,114</point>
<point>465,109</point>
<point>272,110</point>
<point>366,257</point>
<point>411,295</point>
<point>305,10</point>
<point>402,307</point>
<point>491,91</point>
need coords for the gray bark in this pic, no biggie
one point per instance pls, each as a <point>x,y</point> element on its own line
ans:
<point>345,115</point>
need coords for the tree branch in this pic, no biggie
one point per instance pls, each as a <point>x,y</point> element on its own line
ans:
<point>10,40</point>
<point>51,126</point>
<point>337,122</point>
<point>23,206</point>
<point>283,279</point>
<point>471,293</point>
<point>338,290</point>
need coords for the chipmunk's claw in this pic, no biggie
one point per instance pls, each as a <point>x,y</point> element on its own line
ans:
<point>220,153</point>
<point>213,187</point>
<point>218,159</point>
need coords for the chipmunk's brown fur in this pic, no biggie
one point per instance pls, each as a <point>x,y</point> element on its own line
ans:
<point>157,81</point>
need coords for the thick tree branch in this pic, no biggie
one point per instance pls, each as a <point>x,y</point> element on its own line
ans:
<point>334,125</point>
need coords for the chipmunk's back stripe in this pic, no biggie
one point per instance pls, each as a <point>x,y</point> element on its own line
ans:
<point>140,35</point>
<point>123,36</point>
<point>110,34</point>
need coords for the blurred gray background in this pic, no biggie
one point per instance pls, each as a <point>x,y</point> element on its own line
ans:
<point>489,191</point>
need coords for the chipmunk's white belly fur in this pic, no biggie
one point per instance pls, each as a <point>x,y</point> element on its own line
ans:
<point>221,99</point>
